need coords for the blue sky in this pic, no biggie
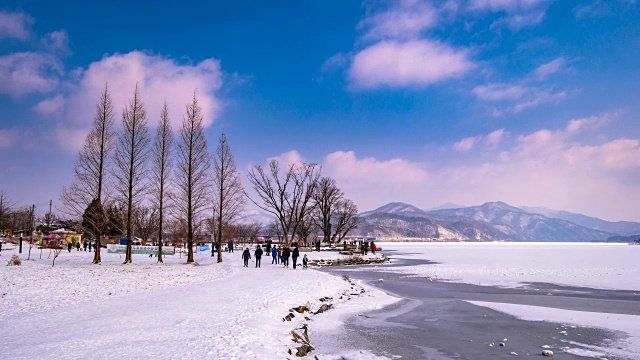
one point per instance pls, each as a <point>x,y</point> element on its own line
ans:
<point>531,102</point>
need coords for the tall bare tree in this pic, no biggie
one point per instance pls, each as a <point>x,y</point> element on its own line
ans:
<point>192,173</point>
<point>228,194</point>
<point>287,196</point>
<point>162,164</point>
<point>326,196</point>
<point>131,160</point>
<point>345,218</point>
<point>89,173</point>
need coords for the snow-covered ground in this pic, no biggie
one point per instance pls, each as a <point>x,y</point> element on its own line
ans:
<point>143,310</point>
<point>225,311</point>
<point>595,265</point>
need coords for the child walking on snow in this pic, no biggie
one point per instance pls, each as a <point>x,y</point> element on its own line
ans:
<point>246,255</point>
<point>304,262</point>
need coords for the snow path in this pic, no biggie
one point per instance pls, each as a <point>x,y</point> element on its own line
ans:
<point>224,311</point>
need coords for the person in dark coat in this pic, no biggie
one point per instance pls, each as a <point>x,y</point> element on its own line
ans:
<point>246,255</point>
<point>280,254</point>
<point>294,256</point>
<point>274,254</point>
<point>231,246</point>
<point>69,246</point>
<point>89,246</point>
<point>268,251</point>
<point>84,245</point>
<point>286,253</point>
<point>78,246</point>
<point>258,255</point>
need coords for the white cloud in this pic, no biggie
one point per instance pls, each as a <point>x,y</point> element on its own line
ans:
<point>15,25</point>
<point>516,98</point>
<point>285,160</point>
<point>345,165</point>
<point>406,20</point>
<point>566,168</point>
<point>551,67</point>
<point>506,5</point>
<point>466,144</point>
<point>412,63</point>
<point>24,73</point>
<point>519,13</point>
<point>497,92</point>
<point>57,42</point>
<point>489,141</point>
<point>50,106</point>
<point>158,78</point>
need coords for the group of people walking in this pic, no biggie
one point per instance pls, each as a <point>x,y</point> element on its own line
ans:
<point>280,255</point>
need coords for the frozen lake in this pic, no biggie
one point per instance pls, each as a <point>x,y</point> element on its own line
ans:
<point>594,265</point>
<point>461,300</point>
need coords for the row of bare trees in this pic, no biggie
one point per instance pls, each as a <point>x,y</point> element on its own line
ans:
<point>124,173</point>
<point>126,181</point>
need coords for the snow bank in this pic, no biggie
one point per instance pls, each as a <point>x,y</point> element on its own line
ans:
<point>145,310</point>
<point>594,265</point>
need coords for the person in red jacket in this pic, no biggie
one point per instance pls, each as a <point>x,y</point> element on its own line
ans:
<point>373,248</point>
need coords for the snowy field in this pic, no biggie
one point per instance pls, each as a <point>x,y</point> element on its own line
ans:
<point>594,265</point>
<point>174,311</point>
<point>225,311</point>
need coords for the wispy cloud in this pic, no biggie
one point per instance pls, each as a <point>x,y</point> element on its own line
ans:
<point>405,20</point>
<point>519,14</point>
<point>551,67</point>
<point>24,73</point>
<point>15,25</point>
<point>489,141</point>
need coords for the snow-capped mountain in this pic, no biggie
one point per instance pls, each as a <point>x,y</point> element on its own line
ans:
<point>488,222</point>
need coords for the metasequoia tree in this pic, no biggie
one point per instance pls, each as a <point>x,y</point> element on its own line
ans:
<point>88,182</point>
<point>162,164</point>
<point>130,160</point>
<point>228,195</point>
<point>192,173</point>
<point>287,196</point>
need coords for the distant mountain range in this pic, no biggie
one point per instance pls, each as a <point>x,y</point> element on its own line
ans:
<point>492,221</point>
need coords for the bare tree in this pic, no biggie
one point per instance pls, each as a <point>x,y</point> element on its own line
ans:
<point>145,220</point>
<point>192,173</point>
<point>248,232</point>
<point>89,173</point>
<point>286,196</point>
<point>327,196</point>
<point>345,218</point>
<point>161,170</point>
<point>6,206</point>
<point>131,159</point>
<point>228,195</point>
<point>306,229</point>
